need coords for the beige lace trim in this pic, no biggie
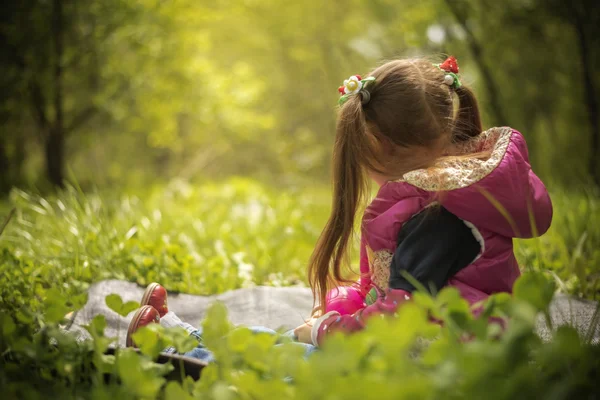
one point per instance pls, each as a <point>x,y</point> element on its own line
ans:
<point>379,263</point>
<point>457,174</point>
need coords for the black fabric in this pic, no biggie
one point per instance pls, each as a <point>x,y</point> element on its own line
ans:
<point>432,247</point>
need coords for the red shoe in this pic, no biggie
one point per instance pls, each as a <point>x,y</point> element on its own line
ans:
<point>143,316</point>
<point>156,296</point>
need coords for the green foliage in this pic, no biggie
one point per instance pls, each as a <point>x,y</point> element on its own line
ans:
<point>154,89</point>
<point>570,250</point>
<point>138,378</point>
<point>151,89</point>
<point>403,357</point>
<point>203,240</point>
<point>536,290</point>
<point>115,303</point>
<point>216,237</point>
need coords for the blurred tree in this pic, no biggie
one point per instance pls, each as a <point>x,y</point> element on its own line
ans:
<point>535,73</point>
<point>49,51</point>
<point>584,18</point>
<point>129,92</point>
<point>66,68</point>
<point>460,11</point>
<point>12,152</point>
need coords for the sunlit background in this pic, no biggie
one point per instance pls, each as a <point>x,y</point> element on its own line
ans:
<point>188,142</point>
<point>194,137</point>
<point>128,93</point>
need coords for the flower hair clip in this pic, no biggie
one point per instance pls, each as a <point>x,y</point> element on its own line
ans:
<point>355,85</point>
<point>450,67</point>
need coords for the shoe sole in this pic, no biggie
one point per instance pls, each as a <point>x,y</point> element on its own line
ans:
<point>134,324</point>
<point>148,293</point>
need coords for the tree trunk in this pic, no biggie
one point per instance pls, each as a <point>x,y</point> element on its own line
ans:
<point>55,143</point>
<point>590,98</point>
<point>5,172</point>
<point>55,147</point>
<point>477,51</point>
<point>18,160</point>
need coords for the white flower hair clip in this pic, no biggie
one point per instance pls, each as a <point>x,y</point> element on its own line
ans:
<point>355,85</point>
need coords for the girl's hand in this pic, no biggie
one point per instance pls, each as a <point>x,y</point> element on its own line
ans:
<point>303,331</point>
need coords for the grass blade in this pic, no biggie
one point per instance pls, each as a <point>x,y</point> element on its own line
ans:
<point>591,331</point>
<point>7,220</point>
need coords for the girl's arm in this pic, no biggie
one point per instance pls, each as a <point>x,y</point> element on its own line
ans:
<point>511,201</point>
<point>432,247</point>
<point>351,298</point>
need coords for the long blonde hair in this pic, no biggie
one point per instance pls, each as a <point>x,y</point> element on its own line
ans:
<point>408,124</point>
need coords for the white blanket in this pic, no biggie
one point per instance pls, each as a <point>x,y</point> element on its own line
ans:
<point>272,307</point>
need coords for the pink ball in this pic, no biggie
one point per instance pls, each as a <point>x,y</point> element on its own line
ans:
<point>344,299</point>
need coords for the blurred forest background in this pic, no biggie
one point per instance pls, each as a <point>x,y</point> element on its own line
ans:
<point>188,142</point>
<point>123,93</point>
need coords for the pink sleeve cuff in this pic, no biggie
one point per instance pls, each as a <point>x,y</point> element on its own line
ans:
<point>315,329</point>
<point>334,322</point>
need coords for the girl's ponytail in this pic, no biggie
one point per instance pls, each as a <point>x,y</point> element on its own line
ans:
<point>349,184</point>
<point>467,123</point>
<point>405,123</point>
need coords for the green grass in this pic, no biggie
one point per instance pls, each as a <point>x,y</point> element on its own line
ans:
<point>201,240</point>
<point>571,248</point>
<point>216,237</point>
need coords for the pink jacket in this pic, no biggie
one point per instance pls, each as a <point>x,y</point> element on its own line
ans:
<point>499,198</point>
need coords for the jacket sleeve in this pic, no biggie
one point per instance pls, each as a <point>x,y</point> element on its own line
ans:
<point>432,247</point>
<point>349,299</point>
<point>511,200</point>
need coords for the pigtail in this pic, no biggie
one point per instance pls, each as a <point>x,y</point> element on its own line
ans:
<point>467,123</point>
<point>349,184</point>
<point>406,123</point>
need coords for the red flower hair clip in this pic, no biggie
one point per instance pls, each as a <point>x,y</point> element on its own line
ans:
<point>450,65</point>
<point>450,68</point>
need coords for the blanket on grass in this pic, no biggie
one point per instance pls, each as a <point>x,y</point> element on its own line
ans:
<point>273,307</point>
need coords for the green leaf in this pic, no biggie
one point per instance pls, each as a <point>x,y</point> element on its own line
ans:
<point>77,302</point>
<point>96,326</point>
<point>567,341</point>
<point>174,391</point>
<point>56,308</point>
<point>535,289</point>
<point>115,303</point>
<point>129,307</point>
<point>215,325</point>
<point>156,368</point>
<point>8,325</point>
<point>181,339</point>
<point>151,340</point>
<point>105,363</point>
<point>496,304</point>
<point>222,391</point>
<point>135,379</point>
<point>239,338</point>
<point>96,329</point>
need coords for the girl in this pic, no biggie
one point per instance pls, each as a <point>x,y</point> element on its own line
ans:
<point>451,199</point>
<point>415,129</point>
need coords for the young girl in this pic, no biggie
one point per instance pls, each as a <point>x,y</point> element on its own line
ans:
<point>416,130</point>
<point>451,199</point>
